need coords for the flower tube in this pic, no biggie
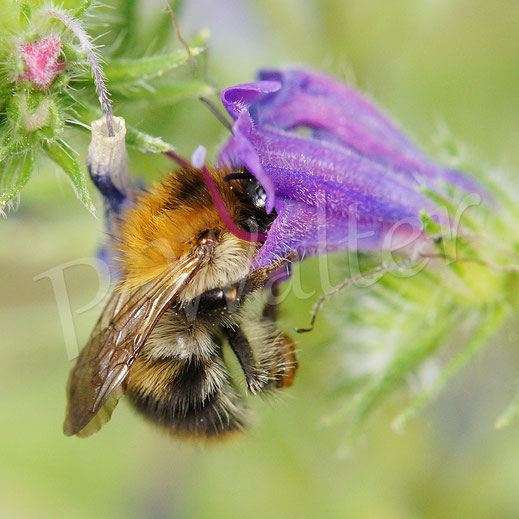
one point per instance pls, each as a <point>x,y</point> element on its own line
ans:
<point>338,173</point>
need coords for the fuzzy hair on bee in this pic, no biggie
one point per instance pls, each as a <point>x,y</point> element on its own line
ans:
<point>183,303</point>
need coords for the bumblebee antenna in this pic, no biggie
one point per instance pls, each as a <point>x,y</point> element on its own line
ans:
<point>221,117</point>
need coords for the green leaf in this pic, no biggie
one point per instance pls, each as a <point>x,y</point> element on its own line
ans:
<point>509,414</point>
<point>128,70</point>
<point>25,13</point>
<point>16,147</point>
<point>16,175</point>
<point>65,157</point>
<point>423,343</point>
<point>82,8</point>
<point>165,93</point>
<point>129,20</point>
<point>491,322</point>
<point>146,143</point>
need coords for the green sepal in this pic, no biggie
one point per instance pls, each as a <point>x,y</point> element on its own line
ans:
<point>17,172</point>
<point>146,143</point>
<point>126,70</point>
<point>13,147</point>
<point>165,93</point>
<point>491,320</point>
<point>65,157</point>
<point>406,359</point>
<point>82,8</point>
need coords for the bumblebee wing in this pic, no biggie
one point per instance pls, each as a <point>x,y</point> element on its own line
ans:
<point>125,324</point>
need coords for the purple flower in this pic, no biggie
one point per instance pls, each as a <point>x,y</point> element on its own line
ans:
<point>338,173</point>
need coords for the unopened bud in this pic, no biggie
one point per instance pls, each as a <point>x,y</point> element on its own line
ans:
<point>42,61</point>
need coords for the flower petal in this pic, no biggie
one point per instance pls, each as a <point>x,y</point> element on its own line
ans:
<point>329,162</point>
<point>335,112</point>
<point>238,97</point>
<point>308,230</point>
<point>240,151</point>
<point>320,191</point>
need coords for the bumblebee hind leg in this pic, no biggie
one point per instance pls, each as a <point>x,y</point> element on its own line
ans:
<point>274,351</point>
<point>285,367</point>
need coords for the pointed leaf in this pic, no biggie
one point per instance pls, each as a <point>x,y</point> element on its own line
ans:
<point>165,93</point>
<point>148,67</point>
<point>490,324</point>
<point>65,157</point>
<point>509,414</point>
<point>15,177</point>
<point>406,359</point>
<point>146,143</point>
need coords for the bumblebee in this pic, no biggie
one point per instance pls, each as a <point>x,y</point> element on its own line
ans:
<point>186,293</point>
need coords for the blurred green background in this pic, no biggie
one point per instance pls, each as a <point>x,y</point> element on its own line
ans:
<point>429,63</point>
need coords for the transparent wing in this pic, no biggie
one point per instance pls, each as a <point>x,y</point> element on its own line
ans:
<point>126,322</point>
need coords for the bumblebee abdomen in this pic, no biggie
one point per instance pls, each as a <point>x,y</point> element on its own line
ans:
<point>192,397</point>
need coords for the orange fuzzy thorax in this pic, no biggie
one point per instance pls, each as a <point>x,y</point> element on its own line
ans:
<point>165,223</point>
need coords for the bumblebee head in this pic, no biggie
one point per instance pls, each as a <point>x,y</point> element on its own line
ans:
<point>178,218</point>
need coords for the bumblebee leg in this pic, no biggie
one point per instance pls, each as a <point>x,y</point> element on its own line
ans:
<point>224,300</point>
<point>285,367</point>
<point>241,348</point>
<point>229,299</point>
<point>271,309</point>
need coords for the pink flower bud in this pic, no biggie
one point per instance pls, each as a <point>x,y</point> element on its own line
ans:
<point>42,63</point>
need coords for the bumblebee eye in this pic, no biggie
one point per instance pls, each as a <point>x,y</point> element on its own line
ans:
<point>256,194</point>
<point>253,190</point>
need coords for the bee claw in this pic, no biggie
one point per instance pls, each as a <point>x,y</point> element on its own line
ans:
<point>255,383</point>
